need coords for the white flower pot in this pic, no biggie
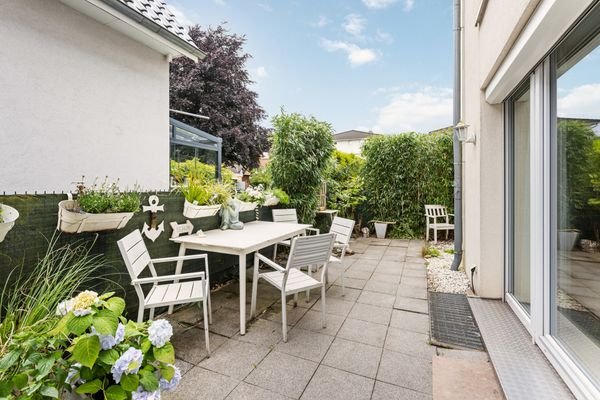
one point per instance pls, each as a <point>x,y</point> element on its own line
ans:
<point>71,221</point>
<point>380,229</point>
<point>191,210</point>
<point>567,239</point>
<point>246,206</point>
<point>9,215</point>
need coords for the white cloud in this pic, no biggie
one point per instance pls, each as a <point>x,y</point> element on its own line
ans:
<point>265,7</point>
<point>220,3</point>
<point>384,37</point>
<point>354,24</point>
<point>356,55</point>
<point>580,102</point>
<point>261,72</point>
<point>322,21</point>
<point>421,111</point>
<point>378,3</point>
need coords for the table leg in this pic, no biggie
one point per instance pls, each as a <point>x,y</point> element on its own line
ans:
<point>178,268</point>
<point>243,294</point>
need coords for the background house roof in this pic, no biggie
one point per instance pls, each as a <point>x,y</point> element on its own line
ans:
<point>353,135</point>
<point>158,12</point>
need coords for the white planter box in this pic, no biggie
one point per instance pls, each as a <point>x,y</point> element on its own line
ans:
<point>380,229</point>
<point>71,221</point>
<point>191,210</point>
<point>567,239</point>
<point>245,206</point>
<point>9,215</point>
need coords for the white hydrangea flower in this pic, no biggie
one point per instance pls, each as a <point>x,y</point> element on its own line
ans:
<point>159,332</point>
<point>64,307</point>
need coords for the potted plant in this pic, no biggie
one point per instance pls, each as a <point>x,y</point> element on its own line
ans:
<point>381,228</point>
<point>99,208</point>
<point>204,199</point>
<point>8,216</point>
<point>110,357</point>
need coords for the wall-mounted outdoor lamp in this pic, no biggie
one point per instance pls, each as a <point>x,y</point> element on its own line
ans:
<point>465,134</point>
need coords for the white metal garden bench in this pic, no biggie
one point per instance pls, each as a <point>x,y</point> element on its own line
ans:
<point>290,216</point>
<point>434,213</point>
<point>342,228</point>
<point>305,251</point>
<point>194,289</point>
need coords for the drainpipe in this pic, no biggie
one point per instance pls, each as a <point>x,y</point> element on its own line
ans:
<point>456,145</point>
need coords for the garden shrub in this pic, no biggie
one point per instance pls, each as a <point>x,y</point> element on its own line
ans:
<point>345,183</point>
<point>404,172</point>
<point>197,170</point>
<point>300,153</point>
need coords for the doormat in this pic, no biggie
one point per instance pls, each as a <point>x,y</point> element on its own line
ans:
<point>452,322</point>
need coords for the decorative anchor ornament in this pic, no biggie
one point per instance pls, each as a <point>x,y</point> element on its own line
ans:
<point>152,232</point>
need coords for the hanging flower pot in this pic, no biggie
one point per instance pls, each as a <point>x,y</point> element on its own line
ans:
<point>8,216</point>
<point>192,210</point>
<point>72,220</point>
<point>247,206</point>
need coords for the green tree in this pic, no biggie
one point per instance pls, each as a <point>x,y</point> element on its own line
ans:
<point>345,183</point>
<point>300,153</point>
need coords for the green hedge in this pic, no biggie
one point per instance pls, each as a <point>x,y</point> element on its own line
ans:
<point>404,172</point>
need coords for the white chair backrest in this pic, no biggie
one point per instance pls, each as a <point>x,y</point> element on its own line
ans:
<point>134,252</point>
<point>310,250</point>
<point>435,210</point>
<point>288,215</point>
<point>342,227</point>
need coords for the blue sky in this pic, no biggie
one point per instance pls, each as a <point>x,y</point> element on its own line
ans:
<point>381,65</point>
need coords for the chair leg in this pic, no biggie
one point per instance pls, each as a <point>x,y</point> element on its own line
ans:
<point>151,317</point>
<point>274,251</point>
<point>295,299</point>
<point>254,288</point>
<point>434,235</point>
<point>209,303</point>
<point>284,316</point>
<point>205,311</point>
<point>323,305</point>
<point>447,231</point>
<point>308,291</point>
<point>427,234</point>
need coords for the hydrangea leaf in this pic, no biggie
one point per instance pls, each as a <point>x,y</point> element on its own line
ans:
<point>116,305</point>
<point>115,392</point>
<point>86,350</point>
<point>105,322</point>
<point>130,383</point>
<point>149,381</point>
<point>165,354</point>
<point>90,387</point>
<point>78,325</point>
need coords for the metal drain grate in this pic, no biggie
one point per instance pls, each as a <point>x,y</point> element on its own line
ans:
<point>452,322</point>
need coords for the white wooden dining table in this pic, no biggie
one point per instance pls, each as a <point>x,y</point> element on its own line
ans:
<point>255,236</point>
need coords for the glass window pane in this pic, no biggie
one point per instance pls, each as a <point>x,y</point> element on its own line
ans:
<point>576,322</point>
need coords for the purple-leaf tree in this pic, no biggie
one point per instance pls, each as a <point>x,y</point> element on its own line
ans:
<point>219,87</point>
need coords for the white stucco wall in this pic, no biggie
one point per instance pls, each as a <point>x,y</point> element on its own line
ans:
<point>350,146</point>
<point>78,98</point>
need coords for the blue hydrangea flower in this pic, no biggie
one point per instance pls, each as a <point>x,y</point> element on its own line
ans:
<point>107,342</point>
<point>73,377</point>
<point>129,363</point>
<point>172,384</point>
<point>159,332</point>
<point>140,394</point>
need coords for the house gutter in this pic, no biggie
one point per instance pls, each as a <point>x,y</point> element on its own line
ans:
<point>456,144</point>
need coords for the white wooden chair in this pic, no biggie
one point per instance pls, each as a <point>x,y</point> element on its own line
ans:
<point>342,228</point>
<point>290,216</point>
<point>305,251</point>
<point>136,256</point>
<point>434,213</point>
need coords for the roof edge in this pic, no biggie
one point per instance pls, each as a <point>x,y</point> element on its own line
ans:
<point>124,9</point>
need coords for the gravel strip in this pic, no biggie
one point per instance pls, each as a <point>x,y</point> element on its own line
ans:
<point>439,276</point>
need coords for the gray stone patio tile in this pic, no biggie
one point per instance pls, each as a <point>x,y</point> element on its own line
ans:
<point>385,391</point>
<point>380,242</point>
<point>312,322</point>
<point>399,243</point>
<point>411,343</point>
<point>226,321</point>
<point>394,251</point>
<point>370,255</point>
<point>200,383</point>
<point>246,391</point>
<point>414,273</point>
<point>417,292</point>
<point>363,332</point>
<point>411,304</point>
<point>236,359</point>
<point>369,313</point>
<point>183,366</point>
<point>294,314</point>
<point>415,257</point>
<point>389,267</point>
<point>354,357</point>
<point>190,347</point>
<point>283,374</point>
<point>358,273</point>
<point>395,258</point>
<point>410,321</point>
<point>351,282</point>
<point>364,265</point>
<point>406,371</point>
<point>381,287</point>
<point>262,332</point>
<point>414,265</point>
<point>378,276</point>
<point>350,294</point>
<point>416,282</point>
<point>333,384</point>
<point>377,299</point>
<point>335,306</point>
<point>305,344</point>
